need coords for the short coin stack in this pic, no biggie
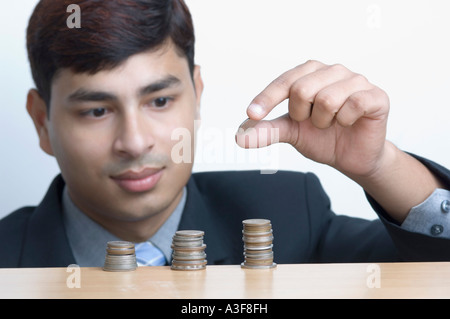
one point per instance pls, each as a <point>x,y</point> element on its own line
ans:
<point>258,243</point>
<point>188,250</point>
<point>120,256</point>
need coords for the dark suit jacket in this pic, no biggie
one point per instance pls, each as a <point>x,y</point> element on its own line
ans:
<point>305,229</point>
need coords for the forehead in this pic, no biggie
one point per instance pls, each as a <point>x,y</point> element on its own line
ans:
<point>137,71</point>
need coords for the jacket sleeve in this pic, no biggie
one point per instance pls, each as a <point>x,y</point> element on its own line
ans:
<point>414,246</point>
<point>340,238</point>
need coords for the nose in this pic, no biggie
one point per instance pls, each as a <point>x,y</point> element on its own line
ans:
<point>134,136</point>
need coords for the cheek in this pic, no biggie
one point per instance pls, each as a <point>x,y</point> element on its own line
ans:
<point>178,125</point>
<point>78,152</point>
<point>180,144</point>
<point>174,141</point>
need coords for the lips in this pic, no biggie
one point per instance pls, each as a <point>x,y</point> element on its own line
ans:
<point>138,181</point>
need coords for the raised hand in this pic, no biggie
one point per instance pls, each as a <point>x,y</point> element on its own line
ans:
<point>335,117</point>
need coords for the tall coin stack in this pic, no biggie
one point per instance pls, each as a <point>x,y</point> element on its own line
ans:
<point>188,250</point>
<point>258,243</point>
<point>120,256</point>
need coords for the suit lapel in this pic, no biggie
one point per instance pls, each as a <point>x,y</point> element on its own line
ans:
<point>196,216</point>
<point>46,243</point>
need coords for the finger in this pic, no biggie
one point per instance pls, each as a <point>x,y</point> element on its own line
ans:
<point>257,134</point>
<point>329,100</point>
<point>305,89</point>
<point>370,103</point>
<point>277,91</point>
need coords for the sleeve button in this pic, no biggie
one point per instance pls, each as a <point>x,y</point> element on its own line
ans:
<point>445,206</point>
<point>436,230</point>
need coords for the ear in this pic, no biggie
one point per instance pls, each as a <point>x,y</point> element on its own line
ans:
<point>37,109</point>
<point>198,86</point>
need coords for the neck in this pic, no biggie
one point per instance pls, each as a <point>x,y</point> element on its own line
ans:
<point>135,230</point>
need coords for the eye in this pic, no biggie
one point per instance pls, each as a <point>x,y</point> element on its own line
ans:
<point>161,102</point>
<point>97,112</point>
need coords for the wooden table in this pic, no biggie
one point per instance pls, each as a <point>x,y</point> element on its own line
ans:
<point>384,280</point>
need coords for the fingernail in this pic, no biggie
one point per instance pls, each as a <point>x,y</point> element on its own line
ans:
<point>247,138</point>
<point>256,109</point>
<point>247,124</point>
<point>241,129</point>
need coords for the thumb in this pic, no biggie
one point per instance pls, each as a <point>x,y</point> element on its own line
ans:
<point>257,134</point>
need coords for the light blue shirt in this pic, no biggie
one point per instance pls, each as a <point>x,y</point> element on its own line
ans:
<point>88,239</point>
<point>431,217</point>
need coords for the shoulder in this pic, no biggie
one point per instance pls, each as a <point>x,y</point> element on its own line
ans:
<point>16,227</point>
<point>14,220</point>
<point>12,231</point>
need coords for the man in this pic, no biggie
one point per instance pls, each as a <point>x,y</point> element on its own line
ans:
<point>109,96</point>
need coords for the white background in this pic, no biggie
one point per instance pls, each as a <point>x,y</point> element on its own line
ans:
<point>242,45</point>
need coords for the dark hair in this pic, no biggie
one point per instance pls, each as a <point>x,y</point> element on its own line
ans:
<point>111,31</point>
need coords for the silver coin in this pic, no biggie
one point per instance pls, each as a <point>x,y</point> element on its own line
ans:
<point>258,260</point>
<point>188,267</point>
<point>120,257</point>
<point>257,233</point>
<point>184,243</point>
<point>120,267</point>
<point>126,251</point>
<point>185,258</point>
<point>256,221</point>
<point>196,248</point>
<point>273,265</point>
<point>120,244</point>
<point>190,233</point>
<point>119,264</point>
<point>189,253</point>
<point>197,243</point>
<point>269,263</point>
<point>107,268</point>
<point>247,247</point>
<point>259,256</point>
<point>118,261</point>
<point>263,239</point>
<point>257,228</point>
<point>184,238</point>
<point>188,262</point>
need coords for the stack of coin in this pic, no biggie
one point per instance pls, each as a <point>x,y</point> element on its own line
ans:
<point>188,250</point>
<point>258,243</point>
<point>120,256</point>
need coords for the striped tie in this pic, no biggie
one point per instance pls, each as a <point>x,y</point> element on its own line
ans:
<point>148,254</point>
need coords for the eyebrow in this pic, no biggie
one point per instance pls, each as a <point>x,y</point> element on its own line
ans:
<point>167,82</point>
<point>84,95</point>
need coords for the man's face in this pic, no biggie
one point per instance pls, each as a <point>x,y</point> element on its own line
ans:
<point>111,134</point>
